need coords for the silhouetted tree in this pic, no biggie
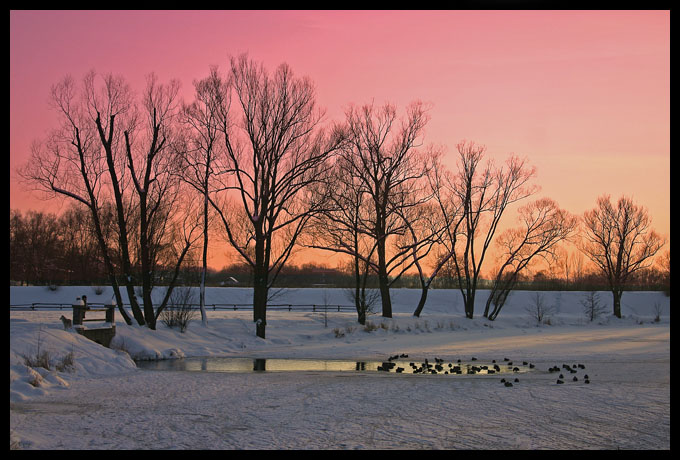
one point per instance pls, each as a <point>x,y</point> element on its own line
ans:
<point>484,191</point>
<point>203,154</point>
<point>108,148</point>
<point>543,226</point>
<point>381,153</point>
<point>619,240</point>
<point>283,152</point>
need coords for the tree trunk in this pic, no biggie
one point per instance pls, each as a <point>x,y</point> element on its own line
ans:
<point>204,317</point>
<point>149,313</point>
<point>260,288</point>
<point>421,302</point>
<point>617,293</point>
<point>469,301</point>
<point>359,299</point>
<point>383,279</point>
<point>260,305</point>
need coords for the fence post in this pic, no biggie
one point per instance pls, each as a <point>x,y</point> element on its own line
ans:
<point>78,312</point>
<point>111,312</point>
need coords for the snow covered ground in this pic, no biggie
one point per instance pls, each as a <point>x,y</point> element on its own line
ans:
<point>103,401</point>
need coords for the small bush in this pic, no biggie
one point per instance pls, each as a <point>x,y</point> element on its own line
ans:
<point>540,310</point>
<point>66,363</point>
<point>658,309</point>
<point>40,359</point>
<point>592,307</point>
<point>370,327</point>
<point>180,311</point>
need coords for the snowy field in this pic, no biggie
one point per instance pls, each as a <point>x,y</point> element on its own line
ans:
<point>103,401</point>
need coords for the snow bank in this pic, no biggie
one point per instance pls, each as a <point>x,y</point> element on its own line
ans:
<point>628,360</point>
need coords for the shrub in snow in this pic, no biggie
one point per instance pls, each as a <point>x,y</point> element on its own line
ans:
<point>591,305</point>
<point>539,310</point>
<point>179,311</point>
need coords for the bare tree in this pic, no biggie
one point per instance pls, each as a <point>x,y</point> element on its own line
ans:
<point>152,163</point>
<point>382,155</point>
<point>592,307</point>
<point>484,191</point>
<point>544,226</point>
<point>341,228</point>
<point>108,148</point>
<point>618,239</point>
<point>70,163</point>
<point>282,153</point>
<point>539,308</point>
<point>434,229</point>
<point>203,154</point>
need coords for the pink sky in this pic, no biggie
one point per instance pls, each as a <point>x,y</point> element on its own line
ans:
<point>585,95</point>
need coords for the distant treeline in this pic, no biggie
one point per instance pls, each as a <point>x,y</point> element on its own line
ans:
<point>46,249</point>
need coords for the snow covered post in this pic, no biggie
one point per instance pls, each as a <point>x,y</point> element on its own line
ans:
<point>111,312</point>
<point>78,312</point>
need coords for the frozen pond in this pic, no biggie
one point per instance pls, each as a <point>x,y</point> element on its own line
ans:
<point>400,365</point>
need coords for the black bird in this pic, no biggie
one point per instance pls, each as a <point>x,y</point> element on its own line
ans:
<point>399,369</point>
<point>586,381</point>
<point>586,377</point>
<point>581,366</point>
<point>531,366</point>
<point>502,380</point>
<point>403,355</point>
<point>561,376</point>
<point>506,359</point>
<point>508,384</point>
<point>474,359</point>
<point>516,380</point>
<point>575,379</point>
<point>515,369</point>
<point>524,363</point>
<point>559,381</point>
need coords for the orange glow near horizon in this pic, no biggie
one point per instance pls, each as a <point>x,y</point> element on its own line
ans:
<point>584,95</point>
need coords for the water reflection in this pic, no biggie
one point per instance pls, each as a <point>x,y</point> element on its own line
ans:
<point>214,364</point>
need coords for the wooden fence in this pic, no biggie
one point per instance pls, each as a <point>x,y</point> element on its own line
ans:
<point>43,306</point>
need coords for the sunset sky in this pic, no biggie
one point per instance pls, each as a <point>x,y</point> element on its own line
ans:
<point>585,95</point>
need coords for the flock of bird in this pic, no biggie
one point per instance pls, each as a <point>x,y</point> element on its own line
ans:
<point>439,366</point>
<point>571,370</point>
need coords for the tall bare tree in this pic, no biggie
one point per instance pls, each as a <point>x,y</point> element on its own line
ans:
<point>107,148</point>
<point>275,153</point>
<point>382,151</point>
<point>485,192</point>
<point>619,240</point>
<point>341,228</point>
<point>543,226</point>
<point>70,162</point>
<point>203,154</point>
<point>434,229</point>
